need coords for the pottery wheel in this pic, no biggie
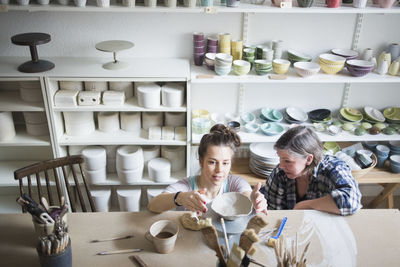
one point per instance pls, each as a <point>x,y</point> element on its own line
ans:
<point>114,46</point>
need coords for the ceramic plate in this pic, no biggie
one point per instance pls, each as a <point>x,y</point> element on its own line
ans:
<point>392,113</point>
<point>263,150</point>
<point>374,114</point>
<point>351,114</point>
<point>297,114</point>
<point>345,52</point>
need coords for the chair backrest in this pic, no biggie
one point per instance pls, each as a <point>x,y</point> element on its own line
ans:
<point>65,167</point>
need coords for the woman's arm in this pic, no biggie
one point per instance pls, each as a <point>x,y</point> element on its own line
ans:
<point>324,203</point>
<point>189,200</point>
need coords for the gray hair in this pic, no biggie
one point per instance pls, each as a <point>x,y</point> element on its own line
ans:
<point>302,141</point>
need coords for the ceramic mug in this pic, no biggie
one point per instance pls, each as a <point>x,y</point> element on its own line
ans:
<point>333,3</point>
<point>163,235</point>
<point>387,3</point>
<point>367,54</point>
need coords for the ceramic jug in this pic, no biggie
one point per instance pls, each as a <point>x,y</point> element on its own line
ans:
<point>383,67</point>
<point>394,68</point>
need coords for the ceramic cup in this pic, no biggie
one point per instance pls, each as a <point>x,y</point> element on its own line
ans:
<point>333,3</point>
<point>394,50</point>
<point>367,54</point>
<point>386,3</point>
<point>163,235</point>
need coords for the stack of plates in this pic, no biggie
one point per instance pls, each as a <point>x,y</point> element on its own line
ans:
<point>373,115</point>
<point>394,147</point>
<point>351,115</point>
<point>392,114</point>
<point>295,115</point>
<point>270,114</point>
<point>263,159</point>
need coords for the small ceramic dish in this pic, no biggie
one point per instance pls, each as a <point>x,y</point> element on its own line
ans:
<point>234,125</point>
<point>232,205</point>
<point>252,127</point>
<point>333,129</point>
<point>247,117</point>
<point>297,114</point>
<point>374,114</point>
<point>347,53</point>
<point>271,129</point>
<point>271,114</point>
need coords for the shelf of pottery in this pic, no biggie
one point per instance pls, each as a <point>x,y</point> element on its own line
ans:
<point>24,133</point>
<point>205,6</point>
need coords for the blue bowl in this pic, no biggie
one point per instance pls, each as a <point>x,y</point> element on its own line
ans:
<point>272,114</point>
<point>394,168</point>
<point>271,129</point>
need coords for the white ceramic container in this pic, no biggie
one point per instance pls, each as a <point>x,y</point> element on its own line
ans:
<point>37,129</point>
<point>7,129</point>
<point>82,129</point>
<point>130,176</point>
<point>176,155</point>
<point>167,133</point>
<point>159,170</point>
<point>150,119</point>
<point>66,98</point>
<point>180,133</point>
<point>101,199</point>
<point>31,94</point>
<point>155,133</point>
<point>149,95</point>
<point>130,122</point>
<point>113,98</point>
<point>129,199</point>
<point>35,117</point>
<point>71,85</point>
<point>108,121</point>
<point>150,152</point>
<point>89,98</point>
<point>96,176</point>
<point>175,119</point>
<point>78,117</point>
<point>103,3</point>
<point>129,3</point>
<point>172,95</point>
<point>126,87</point>
<point>95,157</point>
<point>96,86</point>
<point>129,157</point>
<point>170,3</point>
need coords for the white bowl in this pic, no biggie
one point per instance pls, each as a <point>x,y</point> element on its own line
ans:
<point>7,129</point>
<point>108,121</point>
<point>306,69</point>
<point>176,155</point>
<point>130,176</point>
<point>345,52</point>
<point>129,199</point>
<point>129,157</point>
<point>374,113</point>
<point>159,169</point>
<point>332,59</point>
<point>37,129</point>
<point>130,122</point>
<point>172,95</point>
<point>149,95</point>
<point>96,176</point>
<point>360,63</point>
<point>150,152</point>
<point>232,205</point>
<point>297,113</point>
<point>150,119</point>
<point>225,58</point>
<point>95,157</point>
<point>175,119</point>
<point>251,127</point>
<point>101,199</point>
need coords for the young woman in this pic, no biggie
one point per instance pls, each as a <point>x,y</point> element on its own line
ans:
<point>307,179</point>
<point>216,151</point>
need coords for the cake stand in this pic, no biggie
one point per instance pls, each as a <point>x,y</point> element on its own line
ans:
<point>114,46</point>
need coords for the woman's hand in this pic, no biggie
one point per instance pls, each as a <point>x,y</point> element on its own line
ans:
<point>258,199</point>
<point>193,200</point>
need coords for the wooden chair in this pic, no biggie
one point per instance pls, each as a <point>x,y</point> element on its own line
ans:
<point>51,169</point>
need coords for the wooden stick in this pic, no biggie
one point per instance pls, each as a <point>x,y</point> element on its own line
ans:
<point>225,237</point>
<point>138,260</point>
<point>111,239</point>
<point>304,252</point>
<point>119,251</point>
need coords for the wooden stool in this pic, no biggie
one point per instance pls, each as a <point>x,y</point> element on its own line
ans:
<point>32,40</point>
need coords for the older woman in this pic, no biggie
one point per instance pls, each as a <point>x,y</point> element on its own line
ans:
<point>216,151</point>
<point>307,179</point>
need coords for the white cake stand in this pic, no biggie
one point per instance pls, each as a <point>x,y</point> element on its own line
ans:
<point>114,46</point>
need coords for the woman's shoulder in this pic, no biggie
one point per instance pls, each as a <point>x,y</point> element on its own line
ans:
<point>181,185</point>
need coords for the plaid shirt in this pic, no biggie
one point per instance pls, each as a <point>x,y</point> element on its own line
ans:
<point>331,176</point>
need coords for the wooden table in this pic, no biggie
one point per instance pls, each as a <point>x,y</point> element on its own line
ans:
<point>382,176</point>
<point>368,238</point>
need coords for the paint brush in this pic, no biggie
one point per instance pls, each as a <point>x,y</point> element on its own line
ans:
<point>119,251</point>
<point>110,239</point>
<point>225,237</point>
<point>272,240</point>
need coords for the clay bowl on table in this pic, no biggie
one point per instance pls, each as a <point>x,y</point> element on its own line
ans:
<point>232,205</point>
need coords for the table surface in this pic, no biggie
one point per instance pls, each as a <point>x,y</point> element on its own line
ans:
<point>368,238</point>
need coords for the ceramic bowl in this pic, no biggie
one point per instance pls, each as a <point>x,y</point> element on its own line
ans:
<point>251,127</point>
<point>271,129</point>
<point>234,125</point>
<point>374,114</point>
<point>331,59</point>
<point>232,205</point>
<point>395,163</point>
<point>295,56</point>
<point>319,114</point>
<point>95,157</point>
<point>271,114</point>
<point>306,69</point>
<point>201,125</point>
<point>96,176</point>
<point>262,66</point>
<point>332,147</point>
<point>281,66</point>
<point>358,72</point>
<point>346,53</point>
<point>297,114</point>
<point>200,113</point>
<point>222,71</point>
<point>210,60</point>
<point>331,69</point>
<point>159,169</point>
<point>241,67</point>
<point>226,58</point>
<point>131,175</point>
<point>129,157</point>
<point>247,117</point>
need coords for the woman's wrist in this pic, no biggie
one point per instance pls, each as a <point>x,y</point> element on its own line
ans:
<point>177,199</point>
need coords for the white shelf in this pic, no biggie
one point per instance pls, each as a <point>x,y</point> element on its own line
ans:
<point>112,179</point>
<point>118,138</point>
<point>145,69</point>
<point>131,104</point>
<point>10,100</point>
<point>243,8</point>
<point>247,138</point>
<point>342,77</point>
<point>7,169</point>
<point>23,139</point>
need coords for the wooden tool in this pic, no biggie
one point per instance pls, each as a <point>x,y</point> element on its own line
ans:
<point>122,251</point>
<point>225,237</point>
<point>110,239</point>
<point>211,235</point>
<point>138,260</point>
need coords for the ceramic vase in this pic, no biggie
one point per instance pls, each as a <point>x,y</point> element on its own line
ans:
<point>383,67</point>
<point>367,54</point>
<point>394,68</point>
<point>394,50</point>
<point>384,56</point>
